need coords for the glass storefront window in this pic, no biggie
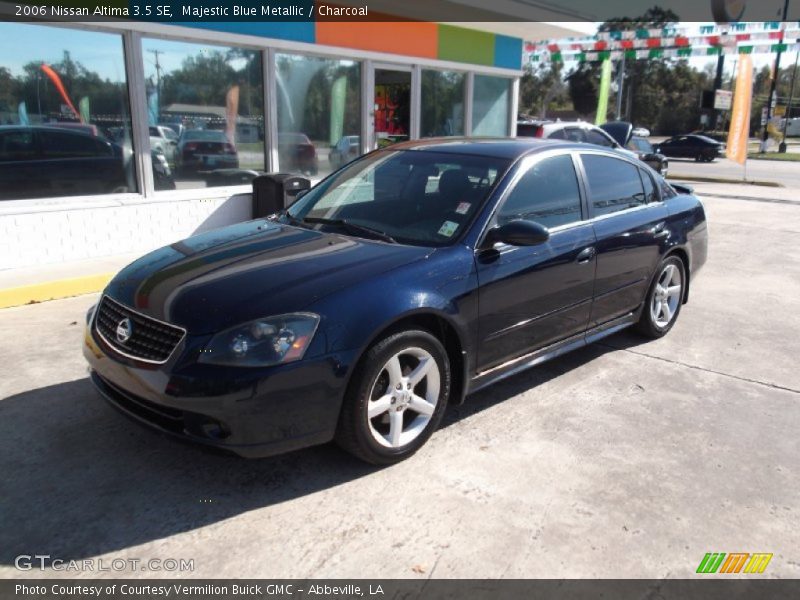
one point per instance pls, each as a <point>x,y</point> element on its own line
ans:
<point>205,110</point>
<point>65,126</point>
<point>442,103</point>
<point>491,103</point>
<point>319,119</point>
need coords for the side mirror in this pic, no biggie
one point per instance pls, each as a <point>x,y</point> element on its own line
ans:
<point>518,232</point>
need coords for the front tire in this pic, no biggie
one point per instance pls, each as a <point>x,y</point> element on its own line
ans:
<point>664,299</point>
<point>396,398</point>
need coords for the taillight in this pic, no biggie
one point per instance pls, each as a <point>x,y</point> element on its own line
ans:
<point>539,132</point>
<point>308,151</point>
<point>190,147</point>
<point>229,149</point>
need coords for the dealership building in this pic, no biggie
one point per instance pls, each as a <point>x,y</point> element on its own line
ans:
<point>120,137</point>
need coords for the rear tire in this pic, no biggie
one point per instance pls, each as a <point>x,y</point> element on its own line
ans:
<point>396,399</point>
<point>664,299</point>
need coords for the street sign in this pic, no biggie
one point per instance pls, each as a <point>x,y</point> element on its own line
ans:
<point>723,99</point>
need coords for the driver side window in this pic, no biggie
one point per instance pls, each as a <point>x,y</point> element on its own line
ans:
<point>547,193</point>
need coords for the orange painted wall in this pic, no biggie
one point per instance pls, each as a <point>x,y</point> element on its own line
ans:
<point>406,38</point>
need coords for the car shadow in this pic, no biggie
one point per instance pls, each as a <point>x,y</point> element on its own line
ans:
<point>80,480</point>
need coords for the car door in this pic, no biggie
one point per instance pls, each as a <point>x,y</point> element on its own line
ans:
<point>630,223</point>
<point>681,147</point>
<point>532,296</point>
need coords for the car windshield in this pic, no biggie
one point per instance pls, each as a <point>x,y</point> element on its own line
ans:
<point>424,198</point>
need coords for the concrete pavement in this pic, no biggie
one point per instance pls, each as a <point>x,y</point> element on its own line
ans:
<point>625,459</point>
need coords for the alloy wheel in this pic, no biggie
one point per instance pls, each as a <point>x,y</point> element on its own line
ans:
<point>403,397</point>
<point>666,296</point>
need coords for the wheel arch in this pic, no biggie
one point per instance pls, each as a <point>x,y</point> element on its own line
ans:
<point>443,328</point>
<point>682,254</point>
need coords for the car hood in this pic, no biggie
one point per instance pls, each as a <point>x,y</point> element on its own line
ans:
<point>218,279</point>
<point>621,131</point>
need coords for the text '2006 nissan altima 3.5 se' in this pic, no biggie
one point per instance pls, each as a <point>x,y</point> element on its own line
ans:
<point>396,286</point>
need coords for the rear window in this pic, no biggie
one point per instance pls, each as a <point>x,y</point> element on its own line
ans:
<point>528,130</point>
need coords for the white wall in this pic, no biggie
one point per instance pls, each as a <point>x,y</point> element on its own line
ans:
<point>47,234</point>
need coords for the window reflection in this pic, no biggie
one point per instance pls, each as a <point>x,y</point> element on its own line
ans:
<point>205,111</point>
<point>319,120</point>
<point>65,126</point>
<point>442,103</point>
<point>491,104</point>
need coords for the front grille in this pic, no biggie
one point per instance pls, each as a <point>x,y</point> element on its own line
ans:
<point>150,340</point>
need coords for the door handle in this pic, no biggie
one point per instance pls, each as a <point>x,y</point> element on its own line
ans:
<point>660,230</point>
<point>586,255</point>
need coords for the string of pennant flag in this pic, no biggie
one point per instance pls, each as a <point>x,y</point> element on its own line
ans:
<point>735,38</point>
<point>674,52</point>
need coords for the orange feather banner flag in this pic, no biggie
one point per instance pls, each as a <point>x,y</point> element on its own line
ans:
<point>740,117</point>
<point>48,70</point>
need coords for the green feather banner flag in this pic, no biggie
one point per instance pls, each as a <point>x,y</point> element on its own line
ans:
<point>602,96</point>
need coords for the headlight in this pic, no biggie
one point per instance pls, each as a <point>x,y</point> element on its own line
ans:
<point>263,342</point>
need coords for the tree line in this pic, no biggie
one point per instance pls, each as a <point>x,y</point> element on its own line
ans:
<point>661,94</point>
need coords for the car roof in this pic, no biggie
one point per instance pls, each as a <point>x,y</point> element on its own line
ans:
<point>68,130</point>
<point>510,148</point>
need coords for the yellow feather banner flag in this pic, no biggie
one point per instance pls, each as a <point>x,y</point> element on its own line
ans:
<point>739,132</point>
<point>602,96</point>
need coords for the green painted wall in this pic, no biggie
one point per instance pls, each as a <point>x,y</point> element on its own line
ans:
<point>466,45</point>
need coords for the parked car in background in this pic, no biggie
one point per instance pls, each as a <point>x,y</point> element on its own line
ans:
<point>39,161</point>
<point>296,153</point>
<point>624,133</point>
<point>204,150</point>
<point>164,139</point>
<point>698,147</point>
<point>346,149</point>
<point>419,274</point>
<point>648,155</point>
<point>571,131</point>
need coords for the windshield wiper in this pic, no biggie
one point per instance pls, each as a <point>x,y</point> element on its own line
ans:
<point>352,227</point>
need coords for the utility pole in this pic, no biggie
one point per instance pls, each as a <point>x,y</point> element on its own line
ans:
<point>158,78</point>
<point>774,83</point>
<point>787,114</point>
<point>717,86</point>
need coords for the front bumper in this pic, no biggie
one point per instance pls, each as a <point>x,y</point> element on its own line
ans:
<point>250,412</point>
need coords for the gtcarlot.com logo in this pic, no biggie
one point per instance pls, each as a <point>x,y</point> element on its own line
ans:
<point>28,562</point>
<point>735,562</point>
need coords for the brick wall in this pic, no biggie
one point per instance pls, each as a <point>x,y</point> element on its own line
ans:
<point>48,234</point>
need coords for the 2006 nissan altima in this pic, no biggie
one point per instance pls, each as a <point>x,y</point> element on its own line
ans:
<point>401,283</point>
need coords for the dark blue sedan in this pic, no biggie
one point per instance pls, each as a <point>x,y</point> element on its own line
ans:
<point>398,285</point>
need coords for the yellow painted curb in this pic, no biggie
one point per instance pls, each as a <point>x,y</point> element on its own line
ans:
<point>53,290</point>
